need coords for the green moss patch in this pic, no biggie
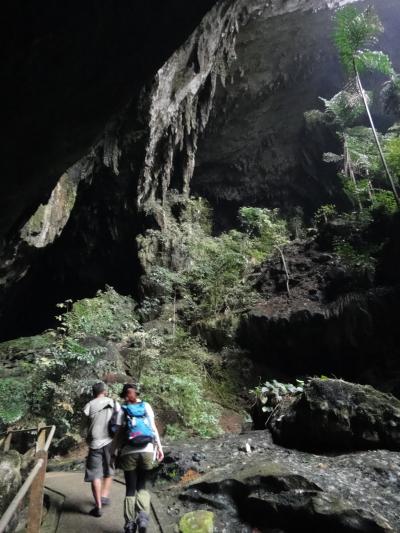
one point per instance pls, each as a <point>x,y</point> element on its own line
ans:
<point>13,403</point>
<point>197,522</point>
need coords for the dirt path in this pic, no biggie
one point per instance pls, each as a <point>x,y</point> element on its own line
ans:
<point>78,501</point>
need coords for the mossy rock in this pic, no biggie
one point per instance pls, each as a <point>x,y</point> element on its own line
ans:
<point>13,404</point>
<point>197,522</point>
<point>27,344</point>
<point>16,352</point>
<point>333,414</point>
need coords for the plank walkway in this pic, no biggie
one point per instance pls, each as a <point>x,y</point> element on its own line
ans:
<point>78,501</point>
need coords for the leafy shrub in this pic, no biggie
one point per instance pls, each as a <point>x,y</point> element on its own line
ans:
<point>384,201</point>
<point>208,273</point>
<point>267,229</point>
<point>175,380</point>
<point>325,213</point>
<point>108,315</point>
<point>61,382</point>
<point>392,152</point>
<point>271,393</point>
<point>359,261</point>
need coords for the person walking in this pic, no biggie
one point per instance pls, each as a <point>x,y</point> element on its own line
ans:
<point>139,445</point>
<point>99,470</point>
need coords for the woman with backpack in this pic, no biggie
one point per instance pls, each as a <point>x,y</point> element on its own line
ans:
<point>139,445</point>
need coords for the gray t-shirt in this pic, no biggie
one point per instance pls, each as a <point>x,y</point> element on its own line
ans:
<point>99,411</point>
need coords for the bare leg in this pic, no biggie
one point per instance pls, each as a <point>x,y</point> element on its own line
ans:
<point>96,489</point>
<point>105,490</point>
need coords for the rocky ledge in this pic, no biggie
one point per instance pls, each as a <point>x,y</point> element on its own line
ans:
<point>251,484</point>
<point>327,323</point>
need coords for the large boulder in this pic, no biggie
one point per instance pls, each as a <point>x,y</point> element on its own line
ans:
<point>334,415</point>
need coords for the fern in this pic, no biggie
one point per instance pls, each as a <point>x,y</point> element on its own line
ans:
<point>345,107</point>
<point>362,150</point>
<point>355,31</point>
<point>374,60</point>
<point>330,157</point>
<point>391,95</point>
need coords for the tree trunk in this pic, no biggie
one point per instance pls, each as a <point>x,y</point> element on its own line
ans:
<point>348,170</point>
<point>378,144</point>
<point>285,268</point>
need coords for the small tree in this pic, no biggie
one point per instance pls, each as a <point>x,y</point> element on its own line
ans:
<point>345,107</point>
<point>354,32</point>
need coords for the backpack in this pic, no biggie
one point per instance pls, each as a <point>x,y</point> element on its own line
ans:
<point>138,429</point>
<point>112,424</point>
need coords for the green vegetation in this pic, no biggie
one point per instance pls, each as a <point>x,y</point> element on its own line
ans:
<point>356,260</point>
<point>355,32</point>
<point>26,345</point>
<point>13,400</point>
<point>205,281</point>
<point>210,272</point>
<point>175,380</point>
<point>269,394</point>
<point>76,356</point>
<point>186,382</point>
<point>175,370</point>
<point>370,159</point>
<point>61,383</point>
<point>392,150</point>
<point>108,314</point>
<point>197,522</point>
<point>357,252</point>
<point>325,213</point>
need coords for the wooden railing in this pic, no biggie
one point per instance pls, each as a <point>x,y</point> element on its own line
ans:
<point>34,483</point>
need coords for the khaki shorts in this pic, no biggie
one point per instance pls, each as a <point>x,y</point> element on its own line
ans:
<point>136,460</point>
<point>98,463</point>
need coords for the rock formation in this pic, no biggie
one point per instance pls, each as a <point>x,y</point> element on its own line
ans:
<point>333,415</point>
<point>140,135</point>
<point>257,149</point>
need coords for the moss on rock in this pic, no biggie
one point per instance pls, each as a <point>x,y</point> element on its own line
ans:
<point>13,404</point>
<point>197,522</point>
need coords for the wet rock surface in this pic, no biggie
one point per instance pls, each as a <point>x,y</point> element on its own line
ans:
<point>251,484</point>
<point>336,415</point>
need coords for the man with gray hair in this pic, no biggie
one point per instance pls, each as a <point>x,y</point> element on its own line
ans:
<point>99,470</point>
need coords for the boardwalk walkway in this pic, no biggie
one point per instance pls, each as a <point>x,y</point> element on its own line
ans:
<point>78,501</point>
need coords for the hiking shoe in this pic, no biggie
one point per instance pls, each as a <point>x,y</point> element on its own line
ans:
<point>96,511</point>
<point>130,527</point>
<point>105,500</point>
<point>142,521</point>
